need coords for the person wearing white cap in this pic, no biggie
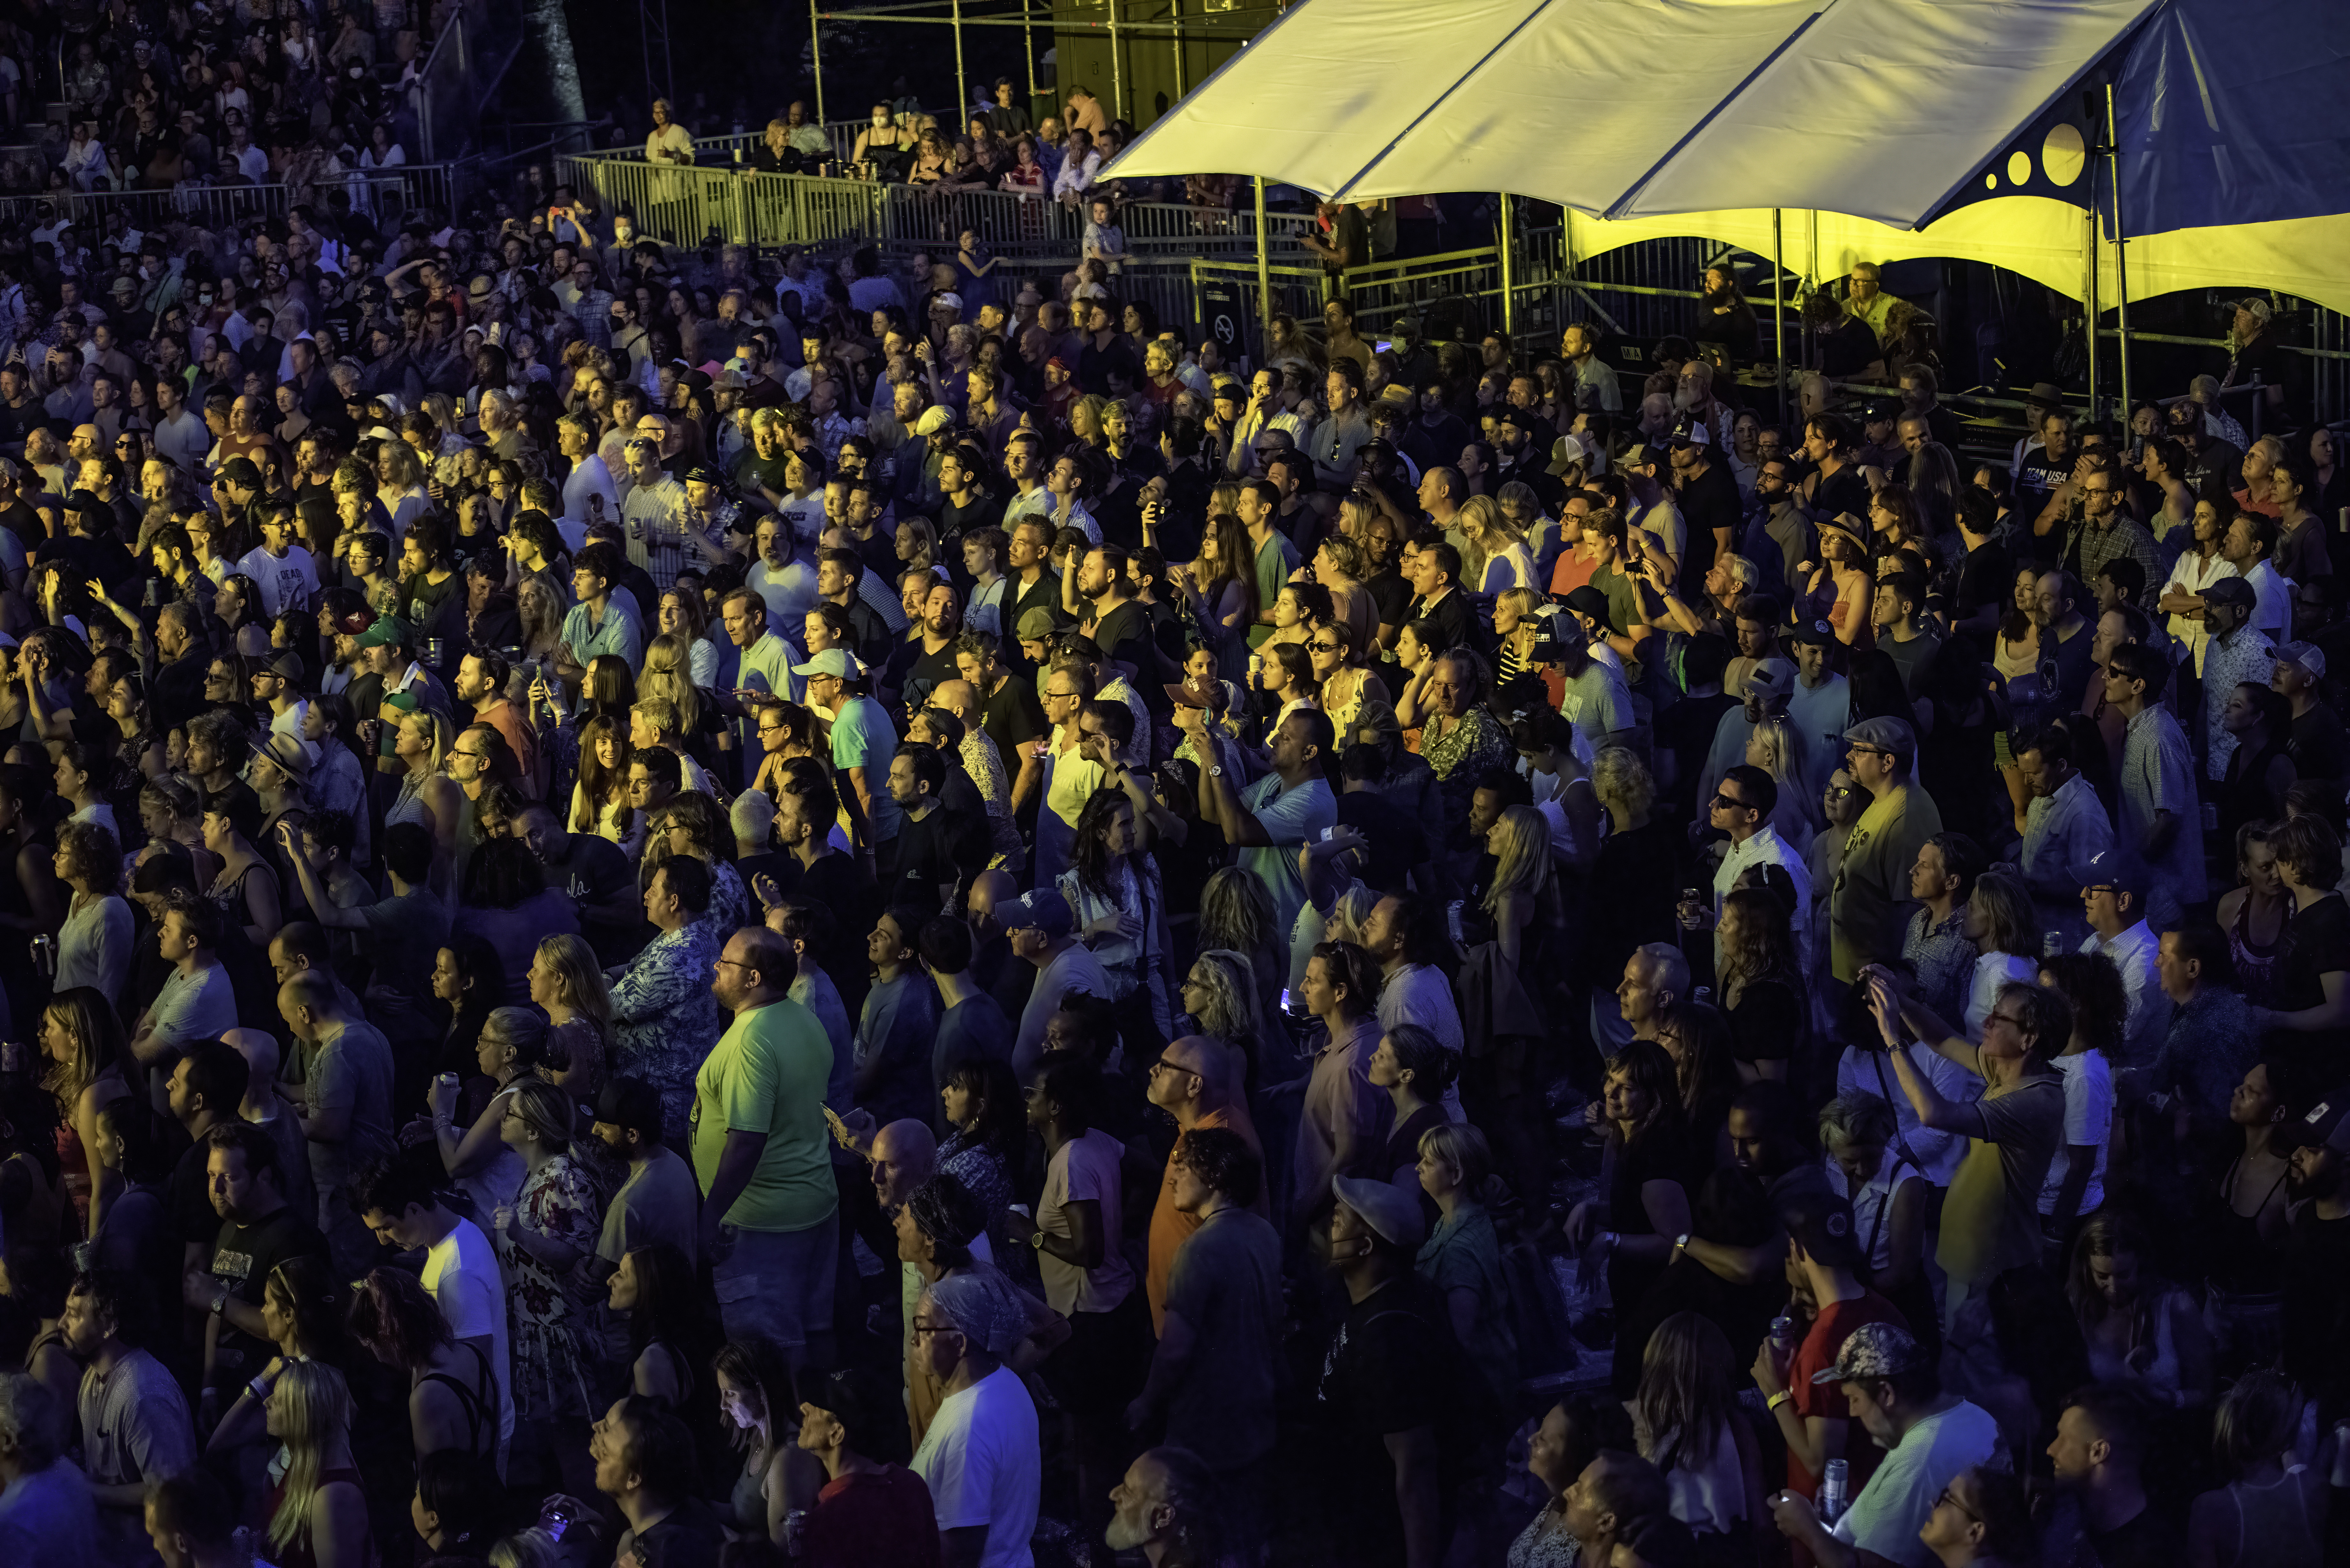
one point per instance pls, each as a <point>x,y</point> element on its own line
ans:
<point>2317,746</point>
<point>863,739</point>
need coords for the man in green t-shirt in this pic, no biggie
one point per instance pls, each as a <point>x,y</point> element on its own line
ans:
<point>770,1217</point>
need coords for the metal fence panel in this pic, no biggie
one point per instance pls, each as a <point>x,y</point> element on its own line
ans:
<point>683,205</point>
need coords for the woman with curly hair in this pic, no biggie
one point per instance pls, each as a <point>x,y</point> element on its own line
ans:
<point>1220,590</point>
<point>94,945</point>
<point>693,823</point>
<point>1237,915</point>
<point>685,619</point>
<point>453,1390</point>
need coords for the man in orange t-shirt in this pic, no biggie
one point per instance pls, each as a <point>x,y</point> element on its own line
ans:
<point>1196,1080</point>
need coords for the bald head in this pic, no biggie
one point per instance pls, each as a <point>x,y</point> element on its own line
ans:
<point>1193,1068</point>
<point>959,697</point>
<point>905,1156</point>
<point>259,1050</point>
<point>988,890</point>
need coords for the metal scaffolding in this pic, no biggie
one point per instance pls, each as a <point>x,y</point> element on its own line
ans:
<point>1120,29</point>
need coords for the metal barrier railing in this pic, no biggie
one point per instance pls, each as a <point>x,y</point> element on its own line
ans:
<point>388,194</point>
<point>684,204</point>
<point>839,134</point>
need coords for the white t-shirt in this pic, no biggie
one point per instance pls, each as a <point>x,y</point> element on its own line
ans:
<point>1892,1507</point>
<point>2088,1120</point>
<point>286,582</point>
<point>460,1270</point>
<point>980,1460</point>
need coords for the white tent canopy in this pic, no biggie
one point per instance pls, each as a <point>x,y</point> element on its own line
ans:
<point>1852,121</point>
<point>1639,107</point>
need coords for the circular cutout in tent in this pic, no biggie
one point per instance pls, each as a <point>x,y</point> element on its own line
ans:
<point>1990,182</point>
<point>2063,155</point>
<point>2019,167</point>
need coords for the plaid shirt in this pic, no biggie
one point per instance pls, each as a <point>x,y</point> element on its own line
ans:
<point>2128,537</point>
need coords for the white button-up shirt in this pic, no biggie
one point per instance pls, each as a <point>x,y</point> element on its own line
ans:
<point>2134,952</point>
<point>1762,848</point>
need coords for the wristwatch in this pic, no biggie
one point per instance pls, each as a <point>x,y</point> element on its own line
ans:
<point>1036,1240</point>
<point>1215,770</point>
<point>1681,1241</point>
<point>220,1303</point>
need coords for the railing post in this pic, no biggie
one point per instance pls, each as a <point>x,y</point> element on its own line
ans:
<point>1116,73</point>
<point>1778,308</point>
<point>962,88</point>
<point>1263,271</point>
<point>815,54</point>
<point>1509,302</point>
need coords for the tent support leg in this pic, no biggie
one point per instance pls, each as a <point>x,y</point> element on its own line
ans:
<point>2091,300</point>
<point>815,54</point>
<point>1779,310</point>
<point>1264,273</point>
<point>1117,71</point>
<point>962,88</point>
<point>2121,240</point>
<point>1509,301</point>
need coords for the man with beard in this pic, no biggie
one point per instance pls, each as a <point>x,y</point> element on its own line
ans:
<point>2316,1345</point>
<point>1780,540</point>
<point>923,662</point>
<point>1167,1509</point>
<point>1707,493</point>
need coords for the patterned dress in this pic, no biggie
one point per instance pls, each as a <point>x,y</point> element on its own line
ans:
<point>555,1335</point>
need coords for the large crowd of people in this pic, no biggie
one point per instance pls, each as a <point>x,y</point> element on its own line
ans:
<point>666,908</point>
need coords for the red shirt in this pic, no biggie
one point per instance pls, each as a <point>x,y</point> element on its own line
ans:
<point>879,1521</point>
<point>1817,1353</point>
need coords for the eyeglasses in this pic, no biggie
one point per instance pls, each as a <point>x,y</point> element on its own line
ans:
<point>2010,1019</point>
<point>733,963</point>
<point>1950,1496</point>
<point>1728,802</point>
<point>935,1329</point>
<point>1868,751</point>
<point>1321,647</point>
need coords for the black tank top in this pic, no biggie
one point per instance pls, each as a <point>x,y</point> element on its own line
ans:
<point>476,1408</point>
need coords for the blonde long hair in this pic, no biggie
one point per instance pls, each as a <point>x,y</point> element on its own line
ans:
<point>669,673</point>
<point>579,976</point>
<point>314,1412</point>
<point>1521,855</point>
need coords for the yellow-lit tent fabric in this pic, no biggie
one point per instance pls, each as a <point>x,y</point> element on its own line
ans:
<point>1855,120</point>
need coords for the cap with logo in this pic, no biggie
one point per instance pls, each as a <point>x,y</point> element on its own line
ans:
<point>1771,679</point>
<point>1043,909</point>
<point>1876,1350</point>
<point>2307,655</point>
